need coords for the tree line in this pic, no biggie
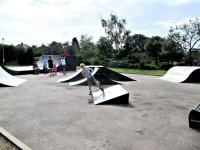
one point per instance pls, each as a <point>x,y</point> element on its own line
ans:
<point>119,48</point>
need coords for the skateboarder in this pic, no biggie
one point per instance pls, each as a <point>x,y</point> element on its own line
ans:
<point>87,73</point>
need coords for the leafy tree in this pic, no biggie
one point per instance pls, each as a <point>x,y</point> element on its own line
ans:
<point>21,56</point>
<point>134,48</point>
<point>35,50</point>
<point>44,50</point>
<point>29,56</point>
<point>153,47</point>
<point>116,31</point>
<point>10,53</point>
<point>87,50</point>
<point>104,51</point>
<point>188,35</point>
<point>172,51</point>
<point>56,48</point>
<point>75,45</point>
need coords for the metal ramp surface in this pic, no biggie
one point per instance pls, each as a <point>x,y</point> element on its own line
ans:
<point>44,58</point>
<point>112,95</point>
<point>7,79</point>
<point>179,74</point>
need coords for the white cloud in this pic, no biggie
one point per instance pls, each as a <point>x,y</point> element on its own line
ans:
<point>173,23</point>
<point>43,21</point>
<point>179,2</point>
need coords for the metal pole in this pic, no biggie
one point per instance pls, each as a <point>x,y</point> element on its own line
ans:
<point>3,51</point>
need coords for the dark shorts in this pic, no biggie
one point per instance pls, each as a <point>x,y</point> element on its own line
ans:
<point>91,80</point>
<point>50,66</point>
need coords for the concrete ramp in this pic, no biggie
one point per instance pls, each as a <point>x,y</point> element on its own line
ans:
<point>112,95</point>
<point>7,79</point>
<point>179,74</point>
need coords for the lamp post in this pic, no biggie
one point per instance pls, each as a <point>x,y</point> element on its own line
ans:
<point>3,51</point>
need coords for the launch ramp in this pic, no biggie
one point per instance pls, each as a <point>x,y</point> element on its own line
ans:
<point>112,95</point>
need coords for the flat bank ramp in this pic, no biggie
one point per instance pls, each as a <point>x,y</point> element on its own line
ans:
<point>7,79</point>
<point>180,74</point>
<point>112,95</point>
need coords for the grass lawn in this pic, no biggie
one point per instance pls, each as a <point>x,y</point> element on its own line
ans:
<point>136,71</point>
<point>139,71</point>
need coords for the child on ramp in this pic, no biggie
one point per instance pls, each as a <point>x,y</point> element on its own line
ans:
<point>87,73</point>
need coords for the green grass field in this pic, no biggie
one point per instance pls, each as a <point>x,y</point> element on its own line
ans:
<point>136,71</point>
<point>139,71</point>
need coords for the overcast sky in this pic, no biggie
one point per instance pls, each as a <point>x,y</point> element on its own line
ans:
<point>34,22</point>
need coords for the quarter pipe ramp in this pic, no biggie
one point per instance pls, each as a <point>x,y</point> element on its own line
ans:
<point>180,74</point>
<point>7,79</point>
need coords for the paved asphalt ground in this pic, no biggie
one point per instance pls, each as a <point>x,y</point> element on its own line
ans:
<point>46,115</point>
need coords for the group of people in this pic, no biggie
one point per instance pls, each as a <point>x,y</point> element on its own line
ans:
<point>86,72</point>
<point>51,67</point>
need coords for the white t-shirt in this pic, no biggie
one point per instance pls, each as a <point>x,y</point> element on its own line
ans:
<point>63,62</point>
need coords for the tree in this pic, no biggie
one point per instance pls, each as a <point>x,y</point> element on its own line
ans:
<point>87,50</point>
<point>44,50</point>
<point>56,48</point>
<point>75,45</point>
<point>104,48</point>
<point>188,35</point>
<point>10,53</point>
<point>116,31</point>
<point>134,48</point>
<point>172,51</point>
<point>29,56</point>
<point>35,50</point>
<point>153,47</point>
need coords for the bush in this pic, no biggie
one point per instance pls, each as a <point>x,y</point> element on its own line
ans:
<point>166,66</point>
<point>134,66</point>
<point>119,64</point>
<point>149,67</point>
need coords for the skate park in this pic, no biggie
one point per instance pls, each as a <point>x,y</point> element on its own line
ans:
<point>46,114</point>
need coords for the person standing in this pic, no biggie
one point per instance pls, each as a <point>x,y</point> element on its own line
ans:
<point>50,64</point>
<point>63,64</point>
<point>60,64</point>
<point>65,52</point>
<point>54,69</point>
